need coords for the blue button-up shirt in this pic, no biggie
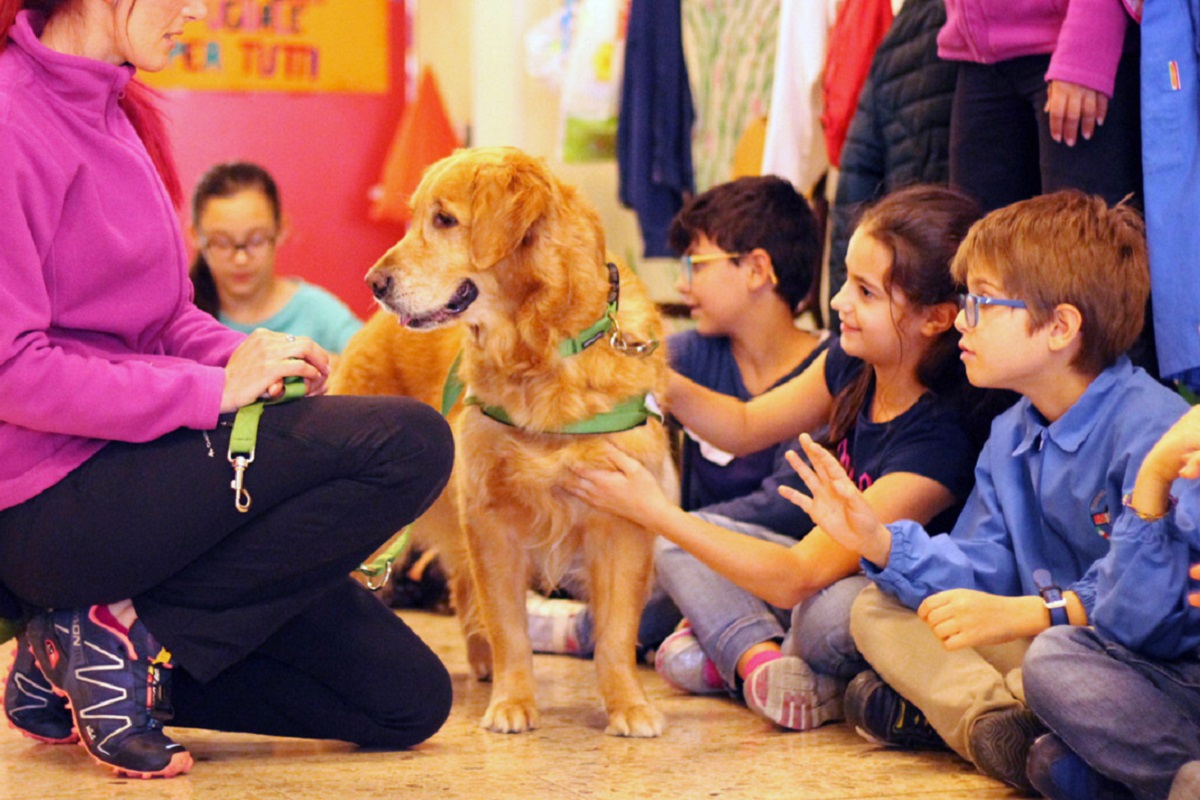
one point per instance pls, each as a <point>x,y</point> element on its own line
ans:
<point>1045,496</point>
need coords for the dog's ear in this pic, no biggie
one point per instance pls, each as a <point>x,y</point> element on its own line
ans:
<point>507,200</point>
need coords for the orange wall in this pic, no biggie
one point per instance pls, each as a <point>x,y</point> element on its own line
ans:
<point>325,151</point>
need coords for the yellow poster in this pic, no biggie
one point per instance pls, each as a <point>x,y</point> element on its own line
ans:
<point>282,46</point>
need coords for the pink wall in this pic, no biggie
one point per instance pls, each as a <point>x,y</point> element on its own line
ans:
<point>325,151</point>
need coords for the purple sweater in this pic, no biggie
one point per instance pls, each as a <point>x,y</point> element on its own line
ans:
<point>99,339</point>
<point>1083,37</point>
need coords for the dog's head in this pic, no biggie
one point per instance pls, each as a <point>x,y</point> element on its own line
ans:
<point>472,212</point>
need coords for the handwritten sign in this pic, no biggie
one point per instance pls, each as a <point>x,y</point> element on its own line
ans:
<point>283,46</point>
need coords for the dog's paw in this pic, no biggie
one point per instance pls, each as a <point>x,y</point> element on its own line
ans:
<point>511,716</point>
<point>640,721</point>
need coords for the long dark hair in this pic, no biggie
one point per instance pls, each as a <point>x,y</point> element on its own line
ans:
<point>226,180</point>
<point>138,101</point>
<point>922,226</point>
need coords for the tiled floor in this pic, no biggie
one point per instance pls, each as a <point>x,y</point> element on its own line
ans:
<point>713,748</point>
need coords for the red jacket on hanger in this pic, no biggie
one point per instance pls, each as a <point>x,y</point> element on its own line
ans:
<point>857,31</point>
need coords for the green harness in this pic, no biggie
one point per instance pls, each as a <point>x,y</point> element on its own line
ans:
<point>628,414</point>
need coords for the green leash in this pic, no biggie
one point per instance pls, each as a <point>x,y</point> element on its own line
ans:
<point>244,437</point>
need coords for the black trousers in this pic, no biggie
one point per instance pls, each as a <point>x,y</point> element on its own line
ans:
<point>268,633</point>
<point>1000,145</point>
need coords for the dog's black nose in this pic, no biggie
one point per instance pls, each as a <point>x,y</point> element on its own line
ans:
<point>380,285</point>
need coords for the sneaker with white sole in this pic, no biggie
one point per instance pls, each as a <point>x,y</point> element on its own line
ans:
<point>116,682</point>
<point>30,703</point>
<point>786,691</point>
<point>554,624</point>
<point>683,663</point>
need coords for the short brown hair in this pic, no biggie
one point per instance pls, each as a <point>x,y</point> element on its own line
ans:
<point>757,211</point>
<point>1068,247</point>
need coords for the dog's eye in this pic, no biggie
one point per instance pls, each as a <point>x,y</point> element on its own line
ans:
<point>443,220</point>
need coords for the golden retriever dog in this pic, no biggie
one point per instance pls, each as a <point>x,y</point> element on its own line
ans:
<point>506,265</point>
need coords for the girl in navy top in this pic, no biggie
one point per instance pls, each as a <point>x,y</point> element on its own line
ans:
<point>888,394</point>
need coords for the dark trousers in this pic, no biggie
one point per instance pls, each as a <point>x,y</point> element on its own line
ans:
<point>1000,145</point>
<point>267,632</point>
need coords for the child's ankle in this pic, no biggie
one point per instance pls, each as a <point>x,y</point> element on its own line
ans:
<point>756,656</point>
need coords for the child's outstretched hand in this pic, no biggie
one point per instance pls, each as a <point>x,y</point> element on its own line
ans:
<point>836,504</point>
<point>626,488</point>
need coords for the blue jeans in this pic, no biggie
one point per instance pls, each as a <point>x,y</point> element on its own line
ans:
<point>728,620</point>
<point>1131,718</point>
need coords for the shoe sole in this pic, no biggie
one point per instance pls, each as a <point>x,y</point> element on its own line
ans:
<point>797,709</point>
<point>1002,753</point>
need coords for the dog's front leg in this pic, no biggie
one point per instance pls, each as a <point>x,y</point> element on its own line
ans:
<point>500,574</point>
<point>620,565</point>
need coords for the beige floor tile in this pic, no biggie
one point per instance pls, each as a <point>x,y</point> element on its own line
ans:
<point>713,748</point>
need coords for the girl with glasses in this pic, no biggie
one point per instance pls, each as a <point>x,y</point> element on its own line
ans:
<point>237,223</point>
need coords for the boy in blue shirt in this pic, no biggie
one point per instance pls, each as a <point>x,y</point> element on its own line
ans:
<point>1123,697</point>
<point>1057,290</point>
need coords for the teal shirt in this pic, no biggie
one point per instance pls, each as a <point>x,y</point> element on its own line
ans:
<point>312,312</point>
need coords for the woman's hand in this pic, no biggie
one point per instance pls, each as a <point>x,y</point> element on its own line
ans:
<point>836,504</point>
<point>626,488</point>
<point>1073,110</point>
<point>259,365</point>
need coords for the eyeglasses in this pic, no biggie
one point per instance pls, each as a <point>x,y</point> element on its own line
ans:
<point>970,303</point>
<point>255,245</point>
<point>689,262</point>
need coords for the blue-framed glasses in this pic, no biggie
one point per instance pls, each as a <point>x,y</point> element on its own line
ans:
<point>970,303</point>
<point>690,262</point>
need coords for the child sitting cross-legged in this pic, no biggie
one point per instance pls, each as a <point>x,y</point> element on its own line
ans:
<point>769,615</point>
<point>1057,287</point>
<point>1123,697</point>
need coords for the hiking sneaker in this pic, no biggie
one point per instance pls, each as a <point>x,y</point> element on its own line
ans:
<point>554,624</point>
<point>881,715</point>
<point>999,743</point>
<point>787,692</point>
<point>682,663</point>
<point>115,681</point>
<point>1057,772</point>
<point>30,703</point>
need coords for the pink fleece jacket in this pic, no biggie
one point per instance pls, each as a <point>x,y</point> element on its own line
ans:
<point>1083,37</point>
<point>99,339</point>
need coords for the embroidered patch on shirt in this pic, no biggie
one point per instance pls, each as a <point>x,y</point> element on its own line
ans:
<point>1101,517</point>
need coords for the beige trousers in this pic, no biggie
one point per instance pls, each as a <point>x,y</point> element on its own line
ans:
<point>951,688</point>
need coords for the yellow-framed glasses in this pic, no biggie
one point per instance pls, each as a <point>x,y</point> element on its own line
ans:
<point>688,262</point>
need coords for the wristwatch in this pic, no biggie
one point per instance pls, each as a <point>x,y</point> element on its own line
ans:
<point>1052,597</point>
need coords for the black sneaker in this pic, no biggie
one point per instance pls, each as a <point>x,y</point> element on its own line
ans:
<point>30,703</point>
<point>1000,743</point>
<point>881,715</point>
<point>116,683</point>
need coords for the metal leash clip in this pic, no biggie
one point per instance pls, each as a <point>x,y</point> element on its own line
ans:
<point>241,497</point>
<point>618,342</point>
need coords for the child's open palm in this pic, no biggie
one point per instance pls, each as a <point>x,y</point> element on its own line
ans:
<point>836,505</point>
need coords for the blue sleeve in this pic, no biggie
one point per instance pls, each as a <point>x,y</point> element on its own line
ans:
<point>681,352</point>
<point>1142,587</point>
<point>978,554</point>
